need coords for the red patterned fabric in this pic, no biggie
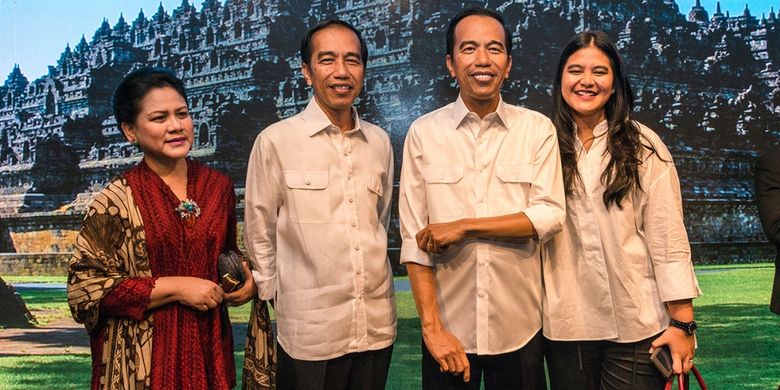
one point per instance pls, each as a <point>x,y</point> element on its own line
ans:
<point>129,298</point>
<point>96,342</point>
<point>191,349</point>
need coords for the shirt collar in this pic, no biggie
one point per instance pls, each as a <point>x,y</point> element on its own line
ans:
<point>460,111</point>
<point>598,131</point>
<point>601,128</point>
<point>316,120</point>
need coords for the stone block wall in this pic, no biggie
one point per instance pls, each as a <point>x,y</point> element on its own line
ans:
<point>55,240</point>
<point>34,264</point>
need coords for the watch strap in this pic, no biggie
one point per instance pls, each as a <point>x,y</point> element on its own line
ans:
<point>688,327</point>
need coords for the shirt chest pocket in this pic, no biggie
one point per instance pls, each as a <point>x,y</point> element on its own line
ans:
<point>515,173</point>
<point>374,185</point>
<point>375,192</point>
<point>309,200</point>
<point>446,198</point>
<point>514,185</point>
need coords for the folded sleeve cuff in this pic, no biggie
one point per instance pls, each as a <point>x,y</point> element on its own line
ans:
<point>676,280</point>
<point>410,253</point>
<point>547,221</point>
<point>266,286</point>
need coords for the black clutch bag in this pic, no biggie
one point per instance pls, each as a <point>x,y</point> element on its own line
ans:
<point>231,271</point>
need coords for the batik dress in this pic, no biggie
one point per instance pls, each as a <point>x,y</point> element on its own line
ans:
<point>132,235</point>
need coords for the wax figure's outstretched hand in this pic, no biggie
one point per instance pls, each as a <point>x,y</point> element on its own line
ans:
<point>246,292</point>
<point>436,237</point>
<point>199,294</point>
<point>448,352</point>
<point>681,345</point>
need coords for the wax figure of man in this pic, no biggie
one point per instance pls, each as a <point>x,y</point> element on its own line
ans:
<point>768,197</point>
<point>318,192</point>
<point>481,188</point>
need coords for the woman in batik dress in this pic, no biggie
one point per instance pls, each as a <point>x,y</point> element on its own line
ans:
<point>143,278</point>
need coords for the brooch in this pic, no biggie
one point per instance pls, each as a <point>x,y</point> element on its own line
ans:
<point>188,210</point>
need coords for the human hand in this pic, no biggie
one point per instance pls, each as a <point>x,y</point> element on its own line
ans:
<point>246,292</point>
<point>436,237</point>
<point>681,346</point>
<point>199,294</point>
<point>448,352</point>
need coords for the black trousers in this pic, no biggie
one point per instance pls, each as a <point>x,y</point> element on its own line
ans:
<point>596,365</point>
<point>353,371</point>
<point>522,369</point>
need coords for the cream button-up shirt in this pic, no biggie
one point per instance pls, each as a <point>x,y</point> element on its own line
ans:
<point>457,165</point>
<point>315,227</point>
<point>609,272</point>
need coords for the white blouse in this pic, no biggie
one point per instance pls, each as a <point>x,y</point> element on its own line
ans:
<point>609,272</point>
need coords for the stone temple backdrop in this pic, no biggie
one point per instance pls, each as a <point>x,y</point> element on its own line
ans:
<point>706,81</point>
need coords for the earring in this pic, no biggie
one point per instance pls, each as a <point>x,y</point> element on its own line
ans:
<point>133,142</point>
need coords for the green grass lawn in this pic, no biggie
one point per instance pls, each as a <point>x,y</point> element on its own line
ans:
<point>739,339</point>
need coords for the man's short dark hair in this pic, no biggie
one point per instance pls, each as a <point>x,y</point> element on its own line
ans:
<point>306,42</point>
<point>478,12</point>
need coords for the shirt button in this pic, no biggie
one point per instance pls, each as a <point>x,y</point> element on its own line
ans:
<point>357,247</point>
<point>482,263</point>
<point>481,294</point>
<point>351,200</point>
<point>359,272</point>
<point>346,153</point>
<point>441,177</point>
<point>361,296</point>
<point>354,224</point>
<point>307,181</point>
<point>349,177</point>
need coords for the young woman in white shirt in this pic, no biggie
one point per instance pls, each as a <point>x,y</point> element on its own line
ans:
<point>618,279</point>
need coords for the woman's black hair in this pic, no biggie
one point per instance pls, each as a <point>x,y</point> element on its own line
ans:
<point>306,41</point>
<point>624,141</point>
<point>132,89</point>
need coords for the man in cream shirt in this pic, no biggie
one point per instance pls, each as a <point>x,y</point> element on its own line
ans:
<point>318,192</point>
<point>481,188</point>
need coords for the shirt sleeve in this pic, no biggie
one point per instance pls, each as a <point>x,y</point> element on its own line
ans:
<point>547,200</point>
<point>129,298</point>
<point>665,235</point>
<point>262,199</point>
<point>412,201</point>
<point>387,187</point>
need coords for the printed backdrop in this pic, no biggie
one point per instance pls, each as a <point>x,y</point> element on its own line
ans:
<point>705,82</point>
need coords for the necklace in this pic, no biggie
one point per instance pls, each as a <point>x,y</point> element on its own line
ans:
<point>188,210</point>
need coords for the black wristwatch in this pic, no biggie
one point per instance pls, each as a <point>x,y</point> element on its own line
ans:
<point>688,327</point>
